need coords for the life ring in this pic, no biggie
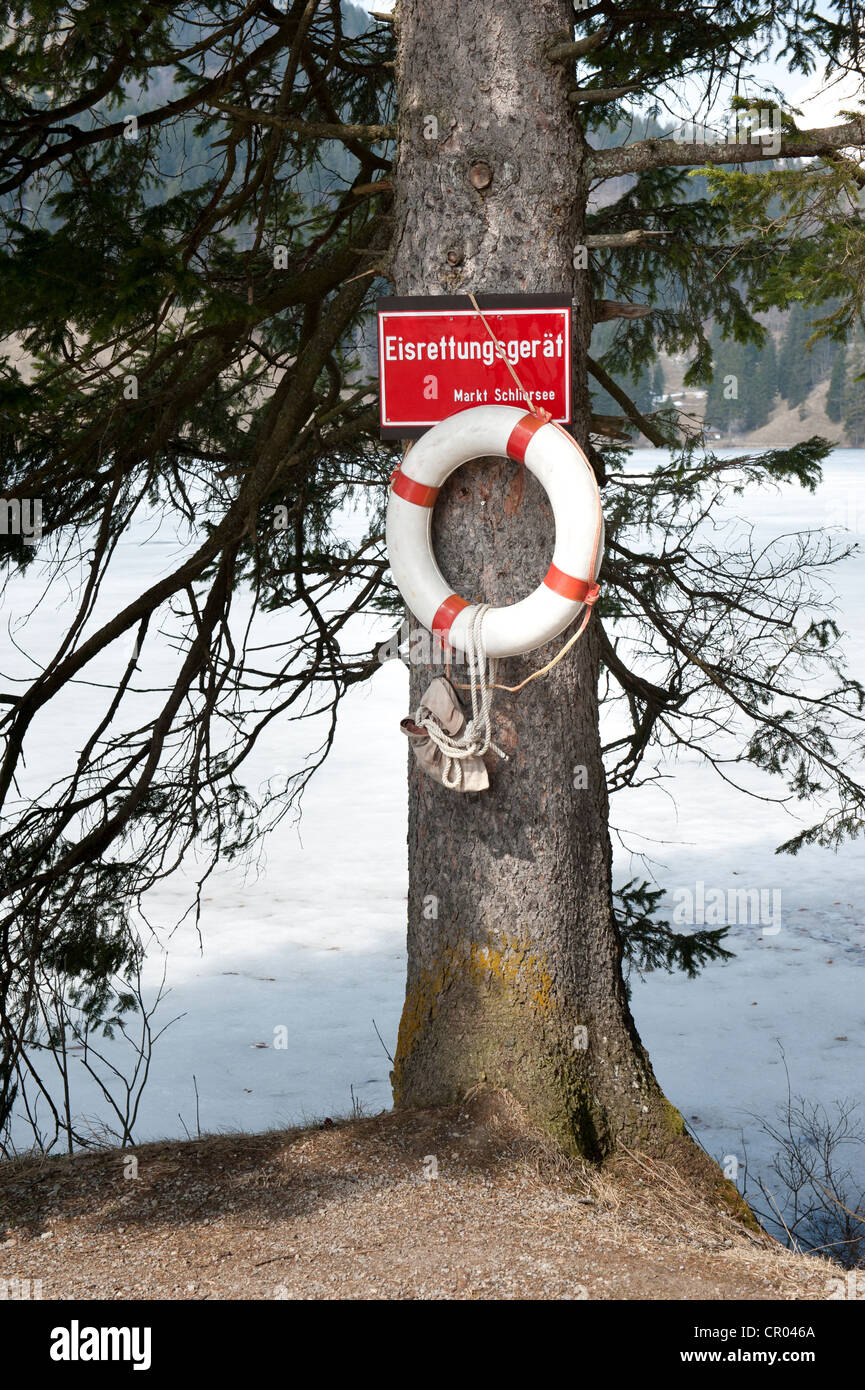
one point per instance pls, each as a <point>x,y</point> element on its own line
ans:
<point>564,472</point>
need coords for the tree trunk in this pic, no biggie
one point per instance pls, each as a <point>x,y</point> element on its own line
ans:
<point>514,964</point>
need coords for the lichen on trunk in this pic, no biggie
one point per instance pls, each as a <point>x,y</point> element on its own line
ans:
<point>514,965</point>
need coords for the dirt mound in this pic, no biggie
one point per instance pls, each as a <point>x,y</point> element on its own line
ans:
<point>447,1204</point>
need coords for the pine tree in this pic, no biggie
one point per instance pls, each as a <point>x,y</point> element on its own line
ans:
<point>189,346</point>
<point>767,382</point>
<point>853,400</point>
<point>794,364</point>
<point>657,382</point>
<point>727,395</point>
<point>837,386</point>
<point>524,954</point>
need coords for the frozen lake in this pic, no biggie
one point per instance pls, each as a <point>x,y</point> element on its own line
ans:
<point>312,942</point>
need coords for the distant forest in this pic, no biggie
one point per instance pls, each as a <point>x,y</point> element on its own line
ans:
<point>749,380</point>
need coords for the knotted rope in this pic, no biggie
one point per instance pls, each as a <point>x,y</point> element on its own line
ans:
<point>476,737</point>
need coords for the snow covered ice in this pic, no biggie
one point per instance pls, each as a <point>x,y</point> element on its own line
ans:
<point>308,947</point>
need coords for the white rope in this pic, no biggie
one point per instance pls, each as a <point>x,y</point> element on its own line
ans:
<point>476,737</point>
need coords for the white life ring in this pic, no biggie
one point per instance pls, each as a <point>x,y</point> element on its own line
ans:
<point>563,470</point>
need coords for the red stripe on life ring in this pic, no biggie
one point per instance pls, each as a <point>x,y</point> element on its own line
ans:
<point>446,612</point>
<point>410,491</point>
<point>578,590</point>
<point>521,436</point>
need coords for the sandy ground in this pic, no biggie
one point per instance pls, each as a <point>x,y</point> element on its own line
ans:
<point>446,1204</point>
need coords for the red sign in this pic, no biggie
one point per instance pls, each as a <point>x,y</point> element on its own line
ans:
<point>436,357</point>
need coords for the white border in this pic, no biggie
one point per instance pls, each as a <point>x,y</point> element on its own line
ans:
<point>387,424</point>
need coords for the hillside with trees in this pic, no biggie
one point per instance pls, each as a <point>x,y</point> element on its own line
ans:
<point>754,384</point>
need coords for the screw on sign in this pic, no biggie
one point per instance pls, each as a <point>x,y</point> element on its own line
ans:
<point>437,357</point>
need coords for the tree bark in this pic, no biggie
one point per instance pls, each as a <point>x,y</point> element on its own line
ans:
<point>514,964</point>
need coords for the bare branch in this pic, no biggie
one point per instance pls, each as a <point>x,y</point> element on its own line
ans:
<point>652,433</point>
<point>313,130</point>
<point>594,95</point>
<point>569,52</point>
<point>611,241</point>
<point>371,190</point>
<point>604,309</point>
<point>661,154</point>
<point>610,426</point>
